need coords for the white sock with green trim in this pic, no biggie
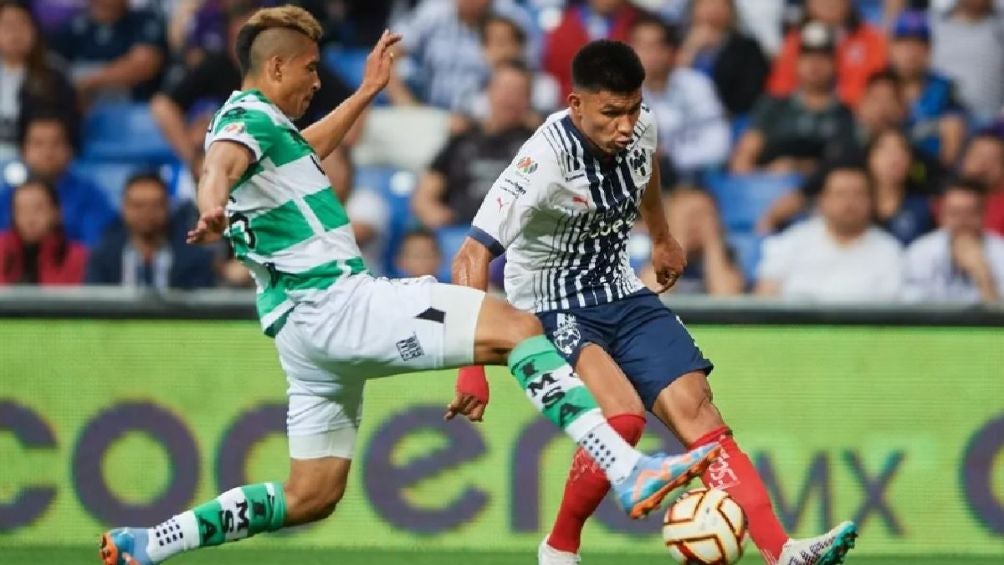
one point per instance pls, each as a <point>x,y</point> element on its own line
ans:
<point>562,398</point>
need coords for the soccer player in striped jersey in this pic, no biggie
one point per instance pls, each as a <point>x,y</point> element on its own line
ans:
<point>334,325</point>
<point>563,211</point>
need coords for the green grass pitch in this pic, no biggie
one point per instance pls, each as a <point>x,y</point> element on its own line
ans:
<point>243,556</point>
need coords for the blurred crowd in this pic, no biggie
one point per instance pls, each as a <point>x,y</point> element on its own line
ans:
<point>821,150</point>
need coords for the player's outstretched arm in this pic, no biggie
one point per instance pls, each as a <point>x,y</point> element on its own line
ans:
<point>668,259</point>
<point>224,165</point>
<point>326,134</point>
<point>470,268</point>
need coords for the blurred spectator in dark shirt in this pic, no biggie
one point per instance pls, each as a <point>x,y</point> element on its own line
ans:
<point>214,79</point>
<point>961,262</point>
<point>28,83</point>
<point>936,121</point>
<point>503,41</point>
<point>902,203</point>
<point>711,267</point>
<point>46,154</point>
<point>444,60</point>
<point>114,53</point>
<point>861,50</point>
<point>693,131</point>
<point>881,107</point>
<point>419,254</point>
<point>580,24</point>
<point>35,250</point>
<point>984,162</point>
<point>968,47</point>
<point>797,132</point>
<point>452,189</point>
<point>837,257</point>
<point>147,252</point>
<point>734,61</point>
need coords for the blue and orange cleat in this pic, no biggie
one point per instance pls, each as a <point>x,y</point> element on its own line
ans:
<point>124,546</point>
<point>654,477</point>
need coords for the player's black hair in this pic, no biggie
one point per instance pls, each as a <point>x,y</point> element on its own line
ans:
<point>670,34</point>
<point>245,38</point>
<point>607,65</point>
<point>965,184</point>
<point>144,176</point>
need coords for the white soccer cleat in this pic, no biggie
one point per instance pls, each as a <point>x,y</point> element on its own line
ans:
<point>827,549</point>
<point>547,555</point>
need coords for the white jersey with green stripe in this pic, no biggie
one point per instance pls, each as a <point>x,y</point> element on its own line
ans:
<point>285,222</point>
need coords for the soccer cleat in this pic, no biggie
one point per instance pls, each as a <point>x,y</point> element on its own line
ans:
<point>654,477</point>
<point>124,546</point>
<point>547,555</point>
<point>827,549</point>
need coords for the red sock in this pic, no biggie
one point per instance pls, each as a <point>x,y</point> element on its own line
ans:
<point>734,473</point>
<point>586,487</point>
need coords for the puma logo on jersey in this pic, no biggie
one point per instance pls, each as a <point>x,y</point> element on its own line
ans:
<point>580,200</point>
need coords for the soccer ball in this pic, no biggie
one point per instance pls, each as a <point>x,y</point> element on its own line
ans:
<point>705,527</point>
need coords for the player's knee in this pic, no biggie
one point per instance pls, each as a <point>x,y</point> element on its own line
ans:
<point>521,326</point>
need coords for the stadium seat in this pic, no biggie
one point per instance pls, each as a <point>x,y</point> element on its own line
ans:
<point>396,187</point>
<point>109,176</point>
<point>743,199</point>
<point>350,65</point>
<point>124,132</point>
<point>450,240</point>
<point>402,137</point>
<point>746,246</point>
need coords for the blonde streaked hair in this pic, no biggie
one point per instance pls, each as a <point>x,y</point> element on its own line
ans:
<point>293,18</point>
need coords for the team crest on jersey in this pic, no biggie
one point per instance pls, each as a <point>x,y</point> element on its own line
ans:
<point>566,335</point>
<point>235,128</point>
<point>526,165</point>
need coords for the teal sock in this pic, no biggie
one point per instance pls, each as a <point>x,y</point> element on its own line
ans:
<point>558,393</point>
<point>234,515</point>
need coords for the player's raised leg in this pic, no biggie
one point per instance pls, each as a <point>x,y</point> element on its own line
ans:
<point>686,407</point>
<point>586,485</point>
<point>505,334</point>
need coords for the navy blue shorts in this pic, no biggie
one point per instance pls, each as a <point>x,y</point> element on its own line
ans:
<point>646,340</point>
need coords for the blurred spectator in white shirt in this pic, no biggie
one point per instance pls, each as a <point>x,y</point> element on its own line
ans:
<point>693,130</point>
<point>443,45</point>
<point>503,41</point>
<point>961,262</point>
<point>968,47</point>
<point>839,256</point>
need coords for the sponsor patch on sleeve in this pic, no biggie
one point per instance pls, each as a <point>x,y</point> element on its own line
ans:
<point>235,128</point>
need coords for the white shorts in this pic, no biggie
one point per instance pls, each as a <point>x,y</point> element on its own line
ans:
<point>362,328</point>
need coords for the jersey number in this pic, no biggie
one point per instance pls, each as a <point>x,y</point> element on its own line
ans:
<point>239,223</point>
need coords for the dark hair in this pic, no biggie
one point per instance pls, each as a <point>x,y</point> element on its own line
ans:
<point>289,17</point>
<point>607,65</point>
<point>38,77</point>
<point>885,75</point>
<point>513,26</point>
<point>965,184</point>
<point>14,259</point>
<point>420,233</point>
<point>514,65</point>
<point>44,116</point>
<point>670,34</point>
<point>144,176</point>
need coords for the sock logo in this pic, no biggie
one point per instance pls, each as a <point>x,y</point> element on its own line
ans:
<point>720,474</point>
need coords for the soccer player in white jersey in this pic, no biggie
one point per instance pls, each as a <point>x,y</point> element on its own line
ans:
<point>335,325</point>
<point>563,211</point>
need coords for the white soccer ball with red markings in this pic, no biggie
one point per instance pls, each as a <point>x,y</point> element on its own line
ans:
<point>705,527</point>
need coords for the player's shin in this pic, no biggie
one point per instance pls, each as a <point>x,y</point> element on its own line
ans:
<point>234,515</point>
<point>563,399</point>
<point>734,473</point>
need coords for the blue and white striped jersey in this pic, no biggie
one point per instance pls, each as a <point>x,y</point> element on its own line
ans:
<point>563,217</point>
